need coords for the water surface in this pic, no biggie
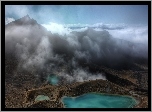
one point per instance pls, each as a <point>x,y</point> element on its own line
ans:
<point>53,79</point>
<point>98,100</point>
<point>41,98</point>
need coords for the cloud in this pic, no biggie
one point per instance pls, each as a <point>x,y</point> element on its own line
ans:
<point>8,20</point>
<point>97,25</point>
<point>137,34</point>
<point>72,54</point>
<point>63,29</point>
<point>56,28</point>
<point>76,25</point>
<point>81,75</point>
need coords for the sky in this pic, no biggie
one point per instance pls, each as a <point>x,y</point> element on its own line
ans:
<point>82,14</point>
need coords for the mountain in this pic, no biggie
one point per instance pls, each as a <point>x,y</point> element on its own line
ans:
<point>32,53</point>
<point>102,48</point>
<point>22,30</point>
<point>26,20</point>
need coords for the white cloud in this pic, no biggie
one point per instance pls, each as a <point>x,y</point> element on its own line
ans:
<point>137,34</point>
<point>77,25</point>
<point>81,75</point>
<point>64,29</point>
<point>56,28</point>
<point>8,20</point>
<point>97,24</point>
<point>80,29</point>
<point>133,34</point>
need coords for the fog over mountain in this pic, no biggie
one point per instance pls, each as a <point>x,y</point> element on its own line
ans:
<point>69,55</point>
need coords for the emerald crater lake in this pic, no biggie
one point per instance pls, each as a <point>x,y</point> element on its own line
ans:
<point>98,100</point>
<point>41,98</point>
<point>53,79</point>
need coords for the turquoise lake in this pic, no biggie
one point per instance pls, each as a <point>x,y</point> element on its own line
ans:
<point>53,79</point>
<point>98,100</point>
<point>41,98</point>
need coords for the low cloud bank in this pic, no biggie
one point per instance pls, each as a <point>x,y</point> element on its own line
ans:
<point>8,20</point>
<point>70,53</point>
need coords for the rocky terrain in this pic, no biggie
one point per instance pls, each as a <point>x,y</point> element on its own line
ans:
<point>119,82</point>
<point>125,86</point>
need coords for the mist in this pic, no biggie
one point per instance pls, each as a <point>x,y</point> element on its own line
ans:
<point>71,54</point>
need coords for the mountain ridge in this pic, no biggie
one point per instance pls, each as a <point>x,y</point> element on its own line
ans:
<point>110,48</point>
